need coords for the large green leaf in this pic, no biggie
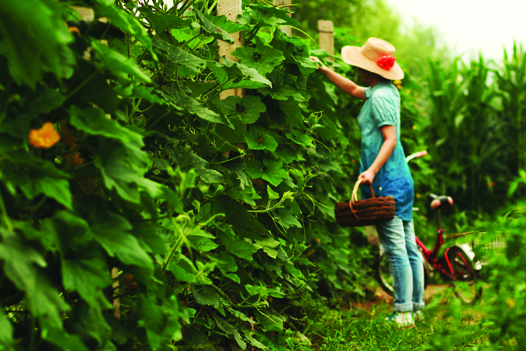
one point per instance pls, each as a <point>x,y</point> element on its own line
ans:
<point>237,246</point>
<point>117,64</point>
<point>284,86</point>
<point>270,170</point>
<point>179,56</point>
<point>183,102</point>
<point>162,22</point>
<point>233,75</point>
<point>257,139</point>
<point>93,121</point>
<point>88,274</point>
<point>122,20</point>
<point>23,266</point>
<point>263,57</point>
<point>226,24</point>
<point>35,176</point>
<point>6,333</point>
<point>301,138</point>
<point>236,215</point>
<point>248,108</point>
<point>34,47</point>
<point>266,16</point>
<point>206,295</point>
<point>113,233</point>
<point>118,154</point>
<point>212,29</point>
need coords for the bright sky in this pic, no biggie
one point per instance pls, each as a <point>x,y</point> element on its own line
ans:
<point>471,26</point>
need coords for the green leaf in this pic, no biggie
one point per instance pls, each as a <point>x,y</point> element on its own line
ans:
<point>263,57</point>
<point>202,244</point>
<point>284,86</point>
<point>237,246</point>
<point>22,265</point>
<point>301,138</point>
<point>248,108</point>
<point>212,29</point>
<point>123,21</point>
<point>226,24</point>
<point>254,169</point>
<point>57,189</point>
<point>93,121</point>
<point>182,268</point>
<point>35,176</point>
<point>236,215</point>
<point>117,64</point>
<point>210,176</point>
<point>273,171</point>
<point>113,233</point>
<point>179,56</point>
<point>269,321</point>
<point>266,16</point>
<point>140,92</point>
<point>6,333</point>
<point>227,265</point>
<point>269,246</point>
<point>88,274</point>
<point>255,81</point>
<point>163,22</point>
<point>206,295</point>
<point>257,139</point>
<point>34,47</point>
<point>293,113</point>
<point>285,217</point>
<point>183,102</point>
<point>60,338</point>
<point>118,156</point>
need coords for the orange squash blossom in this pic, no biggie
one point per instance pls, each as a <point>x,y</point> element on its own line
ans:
<point>44,137</point>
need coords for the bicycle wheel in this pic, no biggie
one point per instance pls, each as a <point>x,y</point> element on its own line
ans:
<point>383,274</point>
<point>464,284</point>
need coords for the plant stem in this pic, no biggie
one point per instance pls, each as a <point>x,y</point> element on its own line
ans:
<point>7,220</point>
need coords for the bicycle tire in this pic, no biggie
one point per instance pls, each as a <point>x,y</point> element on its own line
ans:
<point>383,275</point>
<point>465,280</point>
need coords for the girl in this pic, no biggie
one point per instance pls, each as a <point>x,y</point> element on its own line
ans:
<point>383,165</point>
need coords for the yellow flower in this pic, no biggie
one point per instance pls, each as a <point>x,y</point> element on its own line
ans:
<point>44,137</point>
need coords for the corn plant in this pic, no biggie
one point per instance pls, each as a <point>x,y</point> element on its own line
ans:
<point>511,80</point>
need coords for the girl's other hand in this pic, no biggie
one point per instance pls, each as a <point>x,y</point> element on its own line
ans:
<point>367,176</point>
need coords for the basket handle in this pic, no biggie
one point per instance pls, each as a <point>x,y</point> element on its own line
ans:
<point>354,196</point>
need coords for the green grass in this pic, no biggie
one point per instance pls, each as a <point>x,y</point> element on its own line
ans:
<point>447,326</point>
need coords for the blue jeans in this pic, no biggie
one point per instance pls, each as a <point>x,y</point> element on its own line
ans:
<point>398,242</point>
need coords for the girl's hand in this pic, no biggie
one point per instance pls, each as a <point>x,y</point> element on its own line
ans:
<point>321,66</point>
<point>367,176</point>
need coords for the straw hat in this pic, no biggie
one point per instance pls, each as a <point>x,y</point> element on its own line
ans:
<point>375,56</point>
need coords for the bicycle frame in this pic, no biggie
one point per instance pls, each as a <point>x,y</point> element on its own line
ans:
<point>430,256</point>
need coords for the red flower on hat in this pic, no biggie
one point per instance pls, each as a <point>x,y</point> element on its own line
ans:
<point>386,62</point>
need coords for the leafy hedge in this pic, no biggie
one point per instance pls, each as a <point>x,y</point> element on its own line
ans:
<point>140,211</point>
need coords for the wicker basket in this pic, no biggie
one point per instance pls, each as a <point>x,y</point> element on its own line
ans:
<point>364,212</point>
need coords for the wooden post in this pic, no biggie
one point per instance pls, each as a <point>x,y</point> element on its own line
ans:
<point>284,3</point>
<point>326,37</point>
<point>230,9</point>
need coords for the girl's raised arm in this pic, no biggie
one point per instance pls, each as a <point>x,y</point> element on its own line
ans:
<point>345,84</point>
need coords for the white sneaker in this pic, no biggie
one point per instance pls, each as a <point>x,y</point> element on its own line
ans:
<point>402,319</point>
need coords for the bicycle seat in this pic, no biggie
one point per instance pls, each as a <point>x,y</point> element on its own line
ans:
<point>440,201</point>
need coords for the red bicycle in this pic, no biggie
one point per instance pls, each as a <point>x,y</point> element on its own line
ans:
<point>455,263</point>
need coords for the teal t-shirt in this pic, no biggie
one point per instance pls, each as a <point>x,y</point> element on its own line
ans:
<point>382,108</point>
